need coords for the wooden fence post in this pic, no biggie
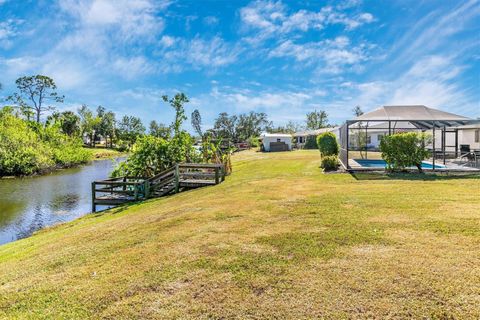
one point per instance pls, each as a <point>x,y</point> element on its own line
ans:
<point>93,197</point>
<point>136,191</point>
<point>217,177</point>
<point>147,189</point>
<point>177,178</point>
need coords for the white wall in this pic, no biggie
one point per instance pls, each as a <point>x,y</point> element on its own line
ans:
<point>267,140</point>
<point>467,136</point>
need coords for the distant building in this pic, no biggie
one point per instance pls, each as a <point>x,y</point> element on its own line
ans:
<point>276,142</point>
<point>300,138</point>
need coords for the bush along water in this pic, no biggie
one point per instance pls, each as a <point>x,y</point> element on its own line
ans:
<point>28,147</point>
<point>329,150</point>
<point>403,150</point>
<point>151,155</point>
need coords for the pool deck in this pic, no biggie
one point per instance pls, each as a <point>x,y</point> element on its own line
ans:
<point>448,167</point>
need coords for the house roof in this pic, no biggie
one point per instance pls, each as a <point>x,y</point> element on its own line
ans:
<point>420,116</point>
<point>472,125</point>
<point>409,113</point>
<point>314,132</point>
<point>276,135</point>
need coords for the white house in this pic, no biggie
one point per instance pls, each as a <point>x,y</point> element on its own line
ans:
<point>276,142</point>
<point>301,137</point>
<point>468,135</point>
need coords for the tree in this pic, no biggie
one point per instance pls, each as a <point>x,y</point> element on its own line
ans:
<point>68,120</point>
<point>88,123</point>
<point>34,94</point>
<point>177,103</point>
<point>197,122</point>
<point>359,138</point>
<point>159,130</point>
<point>130,128</point>
<point>357,111</point>
<point>251,125</point>
<point>225,127</point>
<point>290,127</point>
<point>108,127</point>
<point>317,120</point>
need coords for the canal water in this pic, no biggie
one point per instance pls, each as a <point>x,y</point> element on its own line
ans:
<point>30,204</point>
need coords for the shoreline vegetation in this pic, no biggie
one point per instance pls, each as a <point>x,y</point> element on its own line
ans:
<point>299,238</point>
<point>99,153</point>
<point>29,148</point>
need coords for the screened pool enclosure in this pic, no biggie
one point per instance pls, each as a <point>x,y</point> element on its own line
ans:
<point>450,147</point>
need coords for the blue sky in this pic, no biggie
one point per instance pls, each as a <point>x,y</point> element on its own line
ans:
<point>284,58</point>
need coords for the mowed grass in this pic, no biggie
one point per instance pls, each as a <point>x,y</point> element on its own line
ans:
<point>277,239</point>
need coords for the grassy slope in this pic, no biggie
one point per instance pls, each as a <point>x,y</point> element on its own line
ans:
<point>278,238</point>
<point>105,153</point>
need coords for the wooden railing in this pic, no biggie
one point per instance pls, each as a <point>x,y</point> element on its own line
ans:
<point>116,191</point>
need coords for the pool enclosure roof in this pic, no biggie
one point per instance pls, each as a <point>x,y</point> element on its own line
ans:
<point>420,116</point>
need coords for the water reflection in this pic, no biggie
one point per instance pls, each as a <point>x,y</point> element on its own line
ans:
<point>29,204</point>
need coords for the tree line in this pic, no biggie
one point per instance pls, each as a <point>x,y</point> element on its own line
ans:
<point>35,95</point>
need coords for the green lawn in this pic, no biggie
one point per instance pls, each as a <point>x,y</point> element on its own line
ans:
<point>277,239</point>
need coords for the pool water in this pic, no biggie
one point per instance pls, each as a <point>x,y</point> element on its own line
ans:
<point>370,163</point>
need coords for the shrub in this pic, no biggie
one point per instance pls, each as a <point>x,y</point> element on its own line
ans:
<point>27,148</point>
<point>329,163</point>
<point>311,142</point>
<point>403,150</point>
<point>327,144</point>
<point>151,155</point>
<point>254,142</point>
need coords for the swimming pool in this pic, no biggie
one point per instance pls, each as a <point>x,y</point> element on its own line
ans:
<point>371,163</point>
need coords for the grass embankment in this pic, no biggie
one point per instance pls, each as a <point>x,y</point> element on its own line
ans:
<point>276,239</point>
<point>105,153</point>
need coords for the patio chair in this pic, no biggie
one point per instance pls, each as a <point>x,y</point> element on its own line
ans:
<point>466,153</point>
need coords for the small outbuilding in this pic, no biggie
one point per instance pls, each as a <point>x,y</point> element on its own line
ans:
<point>272,142</point>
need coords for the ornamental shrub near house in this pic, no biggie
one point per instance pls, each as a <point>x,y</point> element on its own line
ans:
<point>329,150</point>
<point>327,144</point>
<point>329,163</point>
<point>403,150</point>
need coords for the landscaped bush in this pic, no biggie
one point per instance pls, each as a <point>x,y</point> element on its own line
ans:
<point>403,150</point>
<point>151,155</point>
<point>327,144</point>
<point>329,150</point>
<point>329,163</point>
<point>311,143</point>
<point>27,148</point>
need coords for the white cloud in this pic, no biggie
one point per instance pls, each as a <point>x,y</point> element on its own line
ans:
<point>434,32</point>
<point>126,20</point>
<point>68,74</point>
<point>268,18</point>
<point>132,67</point>
<point>210,20</point>
<point>8,30</point>
<point>432,81</point>
<point>281,106</point>
<point>15,67</point>
<point>177,54</point>
<point>167,41</point>
<point>329,56</point>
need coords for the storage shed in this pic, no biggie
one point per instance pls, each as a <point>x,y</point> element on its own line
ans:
<point>276,142</point>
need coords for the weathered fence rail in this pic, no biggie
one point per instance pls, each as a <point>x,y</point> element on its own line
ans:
<point>116,191</point>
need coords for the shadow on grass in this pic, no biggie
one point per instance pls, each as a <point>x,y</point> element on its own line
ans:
<point>413,176</point>
<point>116,210</point>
